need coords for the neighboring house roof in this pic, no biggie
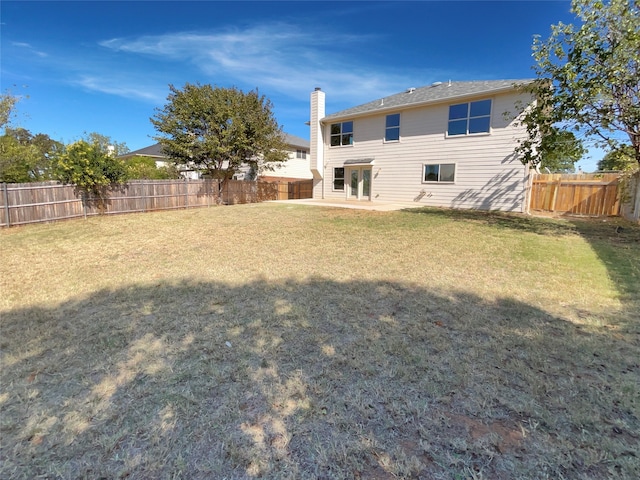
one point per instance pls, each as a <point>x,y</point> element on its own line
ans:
<point>150,151</point>
<point>156,149</point>
<point>437,92</point>
<point>296,141</point>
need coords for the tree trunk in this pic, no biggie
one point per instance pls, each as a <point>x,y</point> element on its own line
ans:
<point>221,183</point>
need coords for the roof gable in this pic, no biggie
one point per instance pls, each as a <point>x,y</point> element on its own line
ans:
<point>154,150</point>
<point>437,92</point>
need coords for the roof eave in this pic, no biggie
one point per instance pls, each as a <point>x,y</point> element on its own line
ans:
<point>407,106</point>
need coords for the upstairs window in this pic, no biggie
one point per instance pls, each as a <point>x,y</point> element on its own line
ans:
<point>341,134</point>
<point>301,154</point>
<point>392,128</point>
<point>469,118</point>
<point>439,172</point>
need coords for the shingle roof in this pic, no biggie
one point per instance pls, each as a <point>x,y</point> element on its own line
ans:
<point>296,141</point>
<point>155,150</point>
<point>150,151</point>
<point>436,92</point>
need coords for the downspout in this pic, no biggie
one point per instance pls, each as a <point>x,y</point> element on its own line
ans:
<point>527,191</point>
<point>321,130</point>
<point>6,204</point>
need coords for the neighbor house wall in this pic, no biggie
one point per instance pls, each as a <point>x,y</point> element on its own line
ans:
<point>293,168</point>
<point>488,176</point>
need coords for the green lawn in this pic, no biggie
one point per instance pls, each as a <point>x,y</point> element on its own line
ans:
<point>290,341</point>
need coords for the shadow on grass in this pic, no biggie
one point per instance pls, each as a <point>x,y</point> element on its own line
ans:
<point>316,379</point>
<point>615,241</point>
<point>511,221</point>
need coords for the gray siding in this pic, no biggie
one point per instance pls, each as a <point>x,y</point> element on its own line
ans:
<point>488,176</point>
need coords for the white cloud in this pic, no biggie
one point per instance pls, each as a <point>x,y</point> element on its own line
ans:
<point>119,87</point>
<point>28,46</point>
<point>277,57</point>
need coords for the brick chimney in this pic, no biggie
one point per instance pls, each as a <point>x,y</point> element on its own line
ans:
<point>317,144</point>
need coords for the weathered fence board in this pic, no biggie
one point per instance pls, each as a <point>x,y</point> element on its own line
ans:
<point>580,194</point>
<point>47,201</point>
<point>39,202</point>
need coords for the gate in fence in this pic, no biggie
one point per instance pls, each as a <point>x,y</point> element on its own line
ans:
<point>590,194</point>
<point>301,189</point>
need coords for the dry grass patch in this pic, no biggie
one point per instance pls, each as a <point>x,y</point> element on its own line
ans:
<point>300,342</point>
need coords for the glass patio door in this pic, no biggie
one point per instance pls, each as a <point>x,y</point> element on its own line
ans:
<point>360,183</point>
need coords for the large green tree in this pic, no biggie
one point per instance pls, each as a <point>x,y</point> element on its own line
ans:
<point>588,78</point>
<point>217,130</point>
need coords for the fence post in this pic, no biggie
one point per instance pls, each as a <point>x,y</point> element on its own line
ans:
<point>528,191</point>
<point>555,194</point>
<point>186,193</point>
<point>6,203</point>
<point>144,196</point>
<point>83,198</point>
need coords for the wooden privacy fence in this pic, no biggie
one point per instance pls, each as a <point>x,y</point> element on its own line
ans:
<point>590,194</point>
<point>24,203</point>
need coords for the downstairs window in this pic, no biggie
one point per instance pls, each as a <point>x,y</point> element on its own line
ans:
<point>338,178</point>
<point>439,172</point>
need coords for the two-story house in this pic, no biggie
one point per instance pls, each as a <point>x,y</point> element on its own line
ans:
<point>295,168</point>
<point>447,145</point>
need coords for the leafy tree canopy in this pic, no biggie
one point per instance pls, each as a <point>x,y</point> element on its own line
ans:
<point>618,160</point>
<point>24,157</point>
<point>106,144</point>
<point>7,105</point>
<point>588,78</point>
<point>141,167</point>
<point>560,150</point>
<point>218,129</point>
<point>89,168</point>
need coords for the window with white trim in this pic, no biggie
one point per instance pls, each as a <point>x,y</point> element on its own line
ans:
<point>338,178</point>
<point>392,128</point>
<point>341,134</point>
<point>439,173</point>
<point>469,118</point>
<point>301,154</point>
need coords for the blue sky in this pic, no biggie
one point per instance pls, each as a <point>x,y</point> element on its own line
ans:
<point>105,66</point>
